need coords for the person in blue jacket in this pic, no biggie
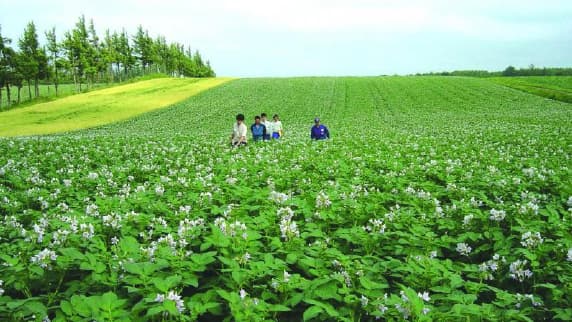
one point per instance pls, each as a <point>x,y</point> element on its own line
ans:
<point>319,131</point>
<point>258,130</point>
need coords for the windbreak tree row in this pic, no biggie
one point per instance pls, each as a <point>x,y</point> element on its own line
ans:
<point>83,58</point>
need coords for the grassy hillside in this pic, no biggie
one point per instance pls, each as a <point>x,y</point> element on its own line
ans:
<point>437,198</point>
<point>102,106</point>
<point>554,87</point>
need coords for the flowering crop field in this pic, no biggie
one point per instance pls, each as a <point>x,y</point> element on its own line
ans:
<point>435,199</point>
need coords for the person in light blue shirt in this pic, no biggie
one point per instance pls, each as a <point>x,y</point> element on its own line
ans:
<point>319,131</point>
<point>258,130</point>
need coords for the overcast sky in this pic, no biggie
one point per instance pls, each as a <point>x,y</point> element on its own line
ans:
<point>329,37</point>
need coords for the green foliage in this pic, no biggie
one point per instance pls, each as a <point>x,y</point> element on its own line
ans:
<point>437,199</point>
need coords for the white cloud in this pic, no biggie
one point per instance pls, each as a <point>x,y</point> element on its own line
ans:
<point>482,19</point>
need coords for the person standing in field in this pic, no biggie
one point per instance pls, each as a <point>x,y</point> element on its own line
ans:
<point>319,131</point>
<point>258,130</point>
<point>239,132</point>
<point>267,124</point>
<point>276,125</point>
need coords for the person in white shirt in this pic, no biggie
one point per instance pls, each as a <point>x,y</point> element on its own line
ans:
<point>239,132</point>
<point>276,127</point>
<point>268,124</point>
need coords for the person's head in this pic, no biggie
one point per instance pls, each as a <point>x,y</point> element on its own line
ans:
<point>240,118</point>
<point>263,116</point>
<point>257,119</point>
<point>317,121</point>
<point>275,117</point>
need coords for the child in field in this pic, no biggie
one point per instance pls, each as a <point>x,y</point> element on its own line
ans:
<point>239,132</point>
<point>276,127</point>
<point>267,124</point>
<point>258,130</point>
<point>319,131</point>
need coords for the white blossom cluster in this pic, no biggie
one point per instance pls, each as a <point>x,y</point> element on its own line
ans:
<point>288,227</point>
<point>232,229</point>
<point>172,296</point>
<point>497,215</point>
<point>190,228</point>
<point>40,229</point>
<point>93,176</point>
<point>322,200</point>
<point>531,240</point>
<point>491,266</point>
<point>518,270</point>
<point>87,230</point>
<point>92,210</point>
<point>375,226</point>
<point>341,271</point>
<point>530,207</point>
<point>419,193</point>
<point>476,203</point>
<point>112,220</point>
<point>159,190</point>
<point>59,237</point>
<point>523,297</point>
<point>464,249</point>
<point>278,197</point>
<point>467,219</point>
<point>405,309</point>
<point>284,280</point>
<point>44,258</point>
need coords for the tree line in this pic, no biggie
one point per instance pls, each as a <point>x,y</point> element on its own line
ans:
<point>510,71</point>
<point>83,58</point>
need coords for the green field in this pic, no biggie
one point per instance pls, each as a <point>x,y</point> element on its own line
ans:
<point>554,87</point>
<point>102,106</point>
<point>437,198</point>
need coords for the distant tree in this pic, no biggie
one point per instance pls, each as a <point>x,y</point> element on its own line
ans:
<point>10,58</point>
<point>116,54</point>
<point>95,65</point>
<point>18,80</point>
<point>163,56</point>
<point>6,66</point>
<point>76,45</point>
<point>29,62</point>
<point>509,71</point>
<point>126,57</point>
<point>54,50</point>
<point>210,71</point>
<point>143,48</point>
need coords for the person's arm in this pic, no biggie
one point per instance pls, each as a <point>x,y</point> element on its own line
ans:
<point>263,131</point>
<point>312,135</point>
<point>327,132</point>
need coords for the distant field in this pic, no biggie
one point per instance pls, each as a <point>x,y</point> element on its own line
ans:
<point>101,107</point>
<point>46,92</point>
<point>554,87</point>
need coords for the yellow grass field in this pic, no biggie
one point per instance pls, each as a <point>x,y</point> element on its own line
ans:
<point>101,106</point>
